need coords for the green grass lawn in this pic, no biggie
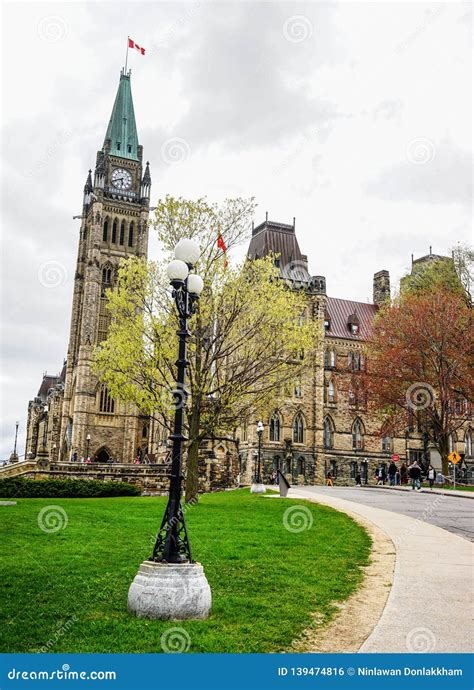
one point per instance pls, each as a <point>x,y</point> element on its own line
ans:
<point>71,586</point>
<point>450,487</point>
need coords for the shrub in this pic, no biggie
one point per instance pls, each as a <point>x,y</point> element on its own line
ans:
<point>19,487</point>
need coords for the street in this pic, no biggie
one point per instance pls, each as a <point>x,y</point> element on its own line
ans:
<point>451,513</point>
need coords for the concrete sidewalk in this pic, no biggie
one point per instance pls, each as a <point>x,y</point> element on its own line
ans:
<point>429,608</point>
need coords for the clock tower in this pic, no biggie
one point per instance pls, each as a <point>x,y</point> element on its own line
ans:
<point>114,226</point>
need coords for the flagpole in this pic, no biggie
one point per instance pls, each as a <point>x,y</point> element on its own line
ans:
<point>126,54</point>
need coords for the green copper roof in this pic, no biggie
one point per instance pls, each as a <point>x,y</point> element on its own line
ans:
<point>122,130</point>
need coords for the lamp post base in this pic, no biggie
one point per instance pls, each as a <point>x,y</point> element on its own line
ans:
<point>257,489</point>
<point>170,591</point>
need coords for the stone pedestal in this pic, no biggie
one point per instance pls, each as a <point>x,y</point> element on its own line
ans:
<point>257,489</point>
<point>169,591</point>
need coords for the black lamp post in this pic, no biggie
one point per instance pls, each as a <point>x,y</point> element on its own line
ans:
<point>14,456</point>
<point>257,487</point>
<point>172,543</point>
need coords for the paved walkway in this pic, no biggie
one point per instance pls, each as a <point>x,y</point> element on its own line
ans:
<point>429,608</point>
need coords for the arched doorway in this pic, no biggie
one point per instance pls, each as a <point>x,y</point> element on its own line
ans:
<point>103,455</point>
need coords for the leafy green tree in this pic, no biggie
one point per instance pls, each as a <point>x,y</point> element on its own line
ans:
<point>450,273</point>
<point>249,337</point>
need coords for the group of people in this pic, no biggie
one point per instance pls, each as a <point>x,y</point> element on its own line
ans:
<point>396,476</point>
<point>401,477</point>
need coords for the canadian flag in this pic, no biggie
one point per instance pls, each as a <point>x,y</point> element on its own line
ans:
<point>222,245</point>
<point>132,44</point>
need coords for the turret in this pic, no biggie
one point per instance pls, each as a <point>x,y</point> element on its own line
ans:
<point>88,189</point>
<point>145,186</point>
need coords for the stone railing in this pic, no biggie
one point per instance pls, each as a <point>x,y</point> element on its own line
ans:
<point>149,478</point>
<point>16,469</point>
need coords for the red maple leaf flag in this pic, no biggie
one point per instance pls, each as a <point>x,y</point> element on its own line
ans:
<point>132,44</point>
<point>222,245</point>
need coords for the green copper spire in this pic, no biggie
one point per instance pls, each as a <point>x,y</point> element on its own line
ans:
<point>122,130</point>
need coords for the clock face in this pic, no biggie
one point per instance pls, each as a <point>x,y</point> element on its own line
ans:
<point>121,179</point>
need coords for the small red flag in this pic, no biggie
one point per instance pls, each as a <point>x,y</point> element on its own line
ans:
<point>132,44</point>
<point>222,245</point>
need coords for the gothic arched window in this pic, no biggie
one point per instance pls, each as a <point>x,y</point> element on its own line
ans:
<point>468,443</point>
<point>452,439</point>
<point>300,465</point>
<point>328,433</point>
<point>122,233</point>
<point>105,231</point>
<point>106,402</point>
<point>114,231</point>
<point>130,235</point>
<point>298,429</point>
<point>357,435</point>
<point>330,392</point>
<point>274,427</point>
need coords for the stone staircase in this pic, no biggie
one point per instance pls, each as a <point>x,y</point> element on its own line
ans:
<point>16,469</point>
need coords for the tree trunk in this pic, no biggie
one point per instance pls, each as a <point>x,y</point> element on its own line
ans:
<point>443,449</point>
<point>192,463</point>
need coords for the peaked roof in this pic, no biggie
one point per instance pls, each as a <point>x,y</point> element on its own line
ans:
<point>280,238</point>
<point>339,311</point>
<point>122,129</point>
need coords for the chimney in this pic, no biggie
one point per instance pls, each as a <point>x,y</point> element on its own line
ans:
<point>381,293</point>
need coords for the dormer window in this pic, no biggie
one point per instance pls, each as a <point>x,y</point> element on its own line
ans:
<point>353,324</point>
<point>129,148</point>
<point>118,146</point>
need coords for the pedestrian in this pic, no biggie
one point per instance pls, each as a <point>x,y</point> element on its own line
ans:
<point>397,478</point>
<point>381,476</point>
<point>330,480</point>
<point>431,476</point>
<point>403,475</point>
<point>415,473</point>
<point>358,479</point>
<point>392,471</point>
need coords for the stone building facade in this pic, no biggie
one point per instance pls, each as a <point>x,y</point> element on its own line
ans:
<point>76,416</point>
<point>322,426</point>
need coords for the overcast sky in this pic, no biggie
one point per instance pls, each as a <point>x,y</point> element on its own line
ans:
<point>353,117</point>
